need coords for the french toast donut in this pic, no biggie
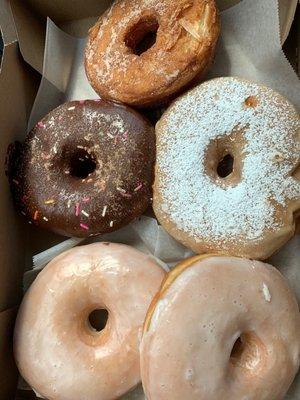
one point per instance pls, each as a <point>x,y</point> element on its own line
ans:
<point>85,169</point>
<point>143,52</point>
<point>57,350</point>
<point>224,181</point>
<point>235,333</point>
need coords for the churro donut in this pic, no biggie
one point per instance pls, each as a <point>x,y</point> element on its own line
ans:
<point>235,333</point>
<point>87,168</point>
<point>227,152</point>
<point>56,349</point>
<point>142,52</point>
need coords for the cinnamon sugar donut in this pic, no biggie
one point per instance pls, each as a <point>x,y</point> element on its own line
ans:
<point>142,52</point>
<point>235,333</point>
<point>86,169</point>
<point>57,350</point>
<point>225,180</point>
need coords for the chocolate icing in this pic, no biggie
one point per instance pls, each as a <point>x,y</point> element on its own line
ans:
<point>85,169</point>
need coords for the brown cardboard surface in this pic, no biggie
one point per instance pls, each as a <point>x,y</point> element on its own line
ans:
<point>18,86</point>
<point>8,375</point>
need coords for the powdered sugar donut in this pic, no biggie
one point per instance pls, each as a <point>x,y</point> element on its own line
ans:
<point>235,333</point>
<point>56,349</point>
<point>227,153</point>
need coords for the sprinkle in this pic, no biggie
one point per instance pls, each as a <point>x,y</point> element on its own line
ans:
<point>45,219</point>
<point>97,100</point>
<point>23,213</point>
<point>121,190</point>
<point>104,211</point>
<point>138,187</point>
<point>15,181</point>
<point>84,226</point>
<point>111,224</point>
<point>116,140</point>
<point>109,135</point>
<point>125,135</point>
<point>41,125</point>
<point>69,204</point>
<point>85,213</point>
<point>77,209</point>
<point>36,215</point>
<point>81,101</point>
<point>266,292</point>
<point>127,195</point>
<point>60,118</point>
<point>86,199</point>
<point>71,108</point>
<point>50,201</point>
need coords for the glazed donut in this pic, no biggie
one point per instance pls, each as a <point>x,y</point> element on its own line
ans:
<point>224,183</point>
<point>143,52</point>
<point>87,168</point>
<point>235,333</point>
<point>56,349</point>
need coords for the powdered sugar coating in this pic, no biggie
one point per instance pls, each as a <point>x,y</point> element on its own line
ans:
<point>267,192</point>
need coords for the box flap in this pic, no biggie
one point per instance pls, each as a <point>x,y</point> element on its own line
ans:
<point>30,19</point>
<point>18,85</point>
<point>9,373</point>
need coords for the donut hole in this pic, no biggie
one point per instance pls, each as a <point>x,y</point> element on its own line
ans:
<point>97,319</point>
<point>142,36</point>
<point>225,166</point>
<point>248,353</point>
<point>82,164</point>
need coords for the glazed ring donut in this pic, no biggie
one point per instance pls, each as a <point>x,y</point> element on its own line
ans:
<point>87,168</point>
<point>227,152</point>
<point>235,333</point>
<point>56,349</point>
<point>143,52</point>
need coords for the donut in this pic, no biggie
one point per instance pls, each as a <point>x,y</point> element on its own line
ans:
<point>224,180</point>
<point>87,168</point>
<point>58,351</point>
<point>143,52</point>
<point>235,333</point>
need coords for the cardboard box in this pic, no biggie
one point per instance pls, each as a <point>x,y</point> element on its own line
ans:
<point>23,25</point>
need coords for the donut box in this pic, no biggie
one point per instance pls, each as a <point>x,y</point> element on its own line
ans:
<point>23,25</point>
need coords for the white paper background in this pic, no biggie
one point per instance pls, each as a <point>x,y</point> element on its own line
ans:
<point>250,48</point>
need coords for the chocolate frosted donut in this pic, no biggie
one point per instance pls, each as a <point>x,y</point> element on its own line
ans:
<point>85,169</point>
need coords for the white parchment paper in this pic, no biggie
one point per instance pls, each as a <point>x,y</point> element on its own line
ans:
<point>249,48</point>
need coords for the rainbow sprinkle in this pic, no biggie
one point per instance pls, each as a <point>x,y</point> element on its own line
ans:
<point>86,199</point>
<point>36,215</point>
<point>77,209</point>
<point>111,224</point>
<point>50,201</point>
<point>41,125</point>
<point>85,213</point>
<point>138,187</point>
<point>84,226</point>
<point>104,211</point>
<point>126,195</point>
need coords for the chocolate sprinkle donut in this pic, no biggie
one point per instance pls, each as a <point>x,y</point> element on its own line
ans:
<point>85,169</point>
